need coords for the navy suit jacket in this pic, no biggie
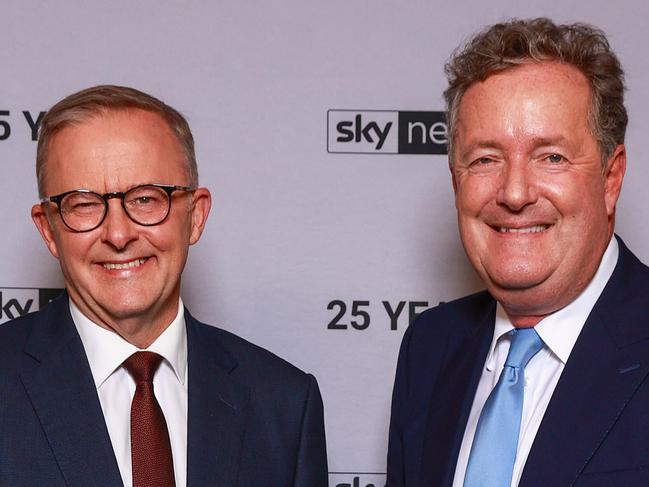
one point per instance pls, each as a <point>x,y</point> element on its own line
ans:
<point>253,419</point>
<point>595,431</point>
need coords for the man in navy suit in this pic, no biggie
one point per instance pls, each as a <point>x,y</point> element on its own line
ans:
<point>536,152</point>
<point>115,383</point>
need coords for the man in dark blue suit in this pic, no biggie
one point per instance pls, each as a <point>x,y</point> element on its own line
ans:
<point>540,380</point>
<point>115,383</point>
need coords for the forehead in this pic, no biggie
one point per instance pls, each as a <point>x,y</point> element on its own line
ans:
<point>533,96</point>
<point>113,151</point>
<point>530,76</point>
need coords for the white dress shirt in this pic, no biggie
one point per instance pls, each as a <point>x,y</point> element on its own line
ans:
<point>106,351</point>
<point>559,331</point>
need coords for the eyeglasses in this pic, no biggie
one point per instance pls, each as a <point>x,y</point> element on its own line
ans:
<point>83,210</point>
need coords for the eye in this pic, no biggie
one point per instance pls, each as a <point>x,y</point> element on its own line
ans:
<point>555,158</point>
<point>143,200</point>
<point>81,203</point>
<point>144,197</point>
<point>86,205</point>
<point>481,163</point>
<point>83,208</point>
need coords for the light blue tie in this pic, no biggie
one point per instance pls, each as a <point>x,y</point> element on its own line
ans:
<point>493,452</point>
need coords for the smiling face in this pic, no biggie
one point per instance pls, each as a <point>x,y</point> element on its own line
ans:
<point>123,276</point>
<point>535,207</point>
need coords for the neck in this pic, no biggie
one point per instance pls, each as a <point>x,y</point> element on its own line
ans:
<point>136,334</point>
<point>520,321</point>
<point>140,329</point>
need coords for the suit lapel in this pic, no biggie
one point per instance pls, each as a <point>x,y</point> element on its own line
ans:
<point>608,363</point>
<point>62,392</point>
<point>217,406</point>
<point>452,400</point>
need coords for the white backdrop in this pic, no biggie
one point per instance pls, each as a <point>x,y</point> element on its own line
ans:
<point>294,227</point>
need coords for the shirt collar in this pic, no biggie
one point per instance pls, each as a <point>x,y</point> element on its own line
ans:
<point>106,350</point>
<point>560,330</point>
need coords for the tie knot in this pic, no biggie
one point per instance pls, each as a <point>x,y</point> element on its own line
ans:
<point>142,365</point>
<point>526,342</point>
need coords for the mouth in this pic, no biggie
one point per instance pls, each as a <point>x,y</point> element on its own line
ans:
<point>523,230</point>
<point>124,265</point>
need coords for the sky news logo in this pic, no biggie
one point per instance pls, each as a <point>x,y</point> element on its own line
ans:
<point>18,301</point>
<point>360,479</point>
<point>386,132</point>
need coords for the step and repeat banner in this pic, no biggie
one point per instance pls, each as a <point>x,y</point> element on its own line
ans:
<point>320,131</point>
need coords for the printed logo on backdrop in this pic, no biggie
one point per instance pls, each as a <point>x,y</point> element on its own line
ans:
<point>18,301</point>
<point>386,132</point>
<point>357,314</point>
<point>352,479</point>
<point>9,119</point>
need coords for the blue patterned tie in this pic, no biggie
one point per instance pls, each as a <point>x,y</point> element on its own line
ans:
<point>493,452</point>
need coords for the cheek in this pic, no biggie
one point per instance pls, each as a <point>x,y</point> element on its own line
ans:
<point>473,194</point>
<point>169,238</point>
<point>588,213</point>
<point>575,193</point>
<point>472,197</point>
<point>74,247</point>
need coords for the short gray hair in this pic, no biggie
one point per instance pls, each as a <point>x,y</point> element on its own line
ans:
<point>91,102</point>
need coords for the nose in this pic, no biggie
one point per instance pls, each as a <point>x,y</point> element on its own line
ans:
<point>118,230</point>
<point>517,188</point>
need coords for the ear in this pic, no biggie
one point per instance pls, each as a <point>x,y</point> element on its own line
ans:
<point>202,203</point>
<point>613,176</point>
<point>43,223</point>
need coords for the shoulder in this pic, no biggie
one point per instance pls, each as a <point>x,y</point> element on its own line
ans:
<point>14,335</point>
<point>250,363</point>
<point>18,328</point>
<point>24,340</point>
<point>428,346</point>
<point>439,333</point>
<point>630,274</point>
<point>453,317</point>
<point>28,339</point>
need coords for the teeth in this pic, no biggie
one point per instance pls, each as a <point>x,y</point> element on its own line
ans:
<point>125,265</point>
<point>534,229</point>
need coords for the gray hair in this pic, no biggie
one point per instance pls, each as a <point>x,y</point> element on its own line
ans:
<point>91,102</point>
<point>506,45</point>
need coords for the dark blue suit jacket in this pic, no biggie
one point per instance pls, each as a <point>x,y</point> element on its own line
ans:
<point>595,431</point>
<point>253,419</point>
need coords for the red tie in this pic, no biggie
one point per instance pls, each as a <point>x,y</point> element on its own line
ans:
<point>150,446</point>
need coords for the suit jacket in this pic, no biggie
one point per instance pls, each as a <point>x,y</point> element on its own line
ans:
<point>595,431</point>
<point>253,419</point>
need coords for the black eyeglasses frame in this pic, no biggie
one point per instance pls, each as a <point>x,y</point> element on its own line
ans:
<point>169,189</point>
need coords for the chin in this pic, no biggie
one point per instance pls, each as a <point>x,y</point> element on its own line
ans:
<point>516,276</point>
<point>512,295</point>
<point>527,297</point>
<point>128,304</point>
<point>528,303</point>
